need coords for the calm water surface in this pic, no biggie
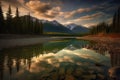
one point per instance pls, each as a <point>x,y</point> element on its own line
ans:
<point>56,60</point>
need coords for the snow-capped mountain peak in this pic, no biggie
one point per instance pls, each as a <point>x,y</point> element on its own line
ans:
<point>77,28</point>
<point>44,21</point>
<point>55,22</point>
<point>71,26</point>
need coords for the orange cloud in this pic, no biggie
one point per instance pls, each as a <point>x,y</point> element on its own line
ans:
<point>74,12</point>
<point>90,17</point>
<point>43,10</point>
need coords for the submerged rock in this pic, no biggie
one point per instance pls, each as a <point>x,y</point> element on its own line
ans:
<point>61,71</point>
<point>70,77</point>
<point>54,76</point>
<point>78,72</point>
<point>89,77</point>
<point>114,72</point>
<point>70,70</point>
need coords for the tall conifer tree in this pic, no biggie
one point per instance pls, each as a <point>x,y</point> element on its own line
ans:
<point>1,19</point>
<point>17,27</point>
<point>9,20</point>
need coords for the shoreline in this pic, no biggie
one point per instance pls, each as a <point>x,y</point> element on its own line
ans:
<point>9,43</point>
<point>13,40</point>
<point>112,43</point>
<point>101,39</point>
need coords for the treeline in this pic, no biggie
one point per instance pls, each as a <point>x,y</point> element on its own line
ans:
<point>108,28</point>
<point>19,24</point>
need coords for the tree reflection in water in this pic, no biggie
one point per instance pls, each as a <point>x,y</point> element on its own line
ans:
<point>15,58</point>
<point>2,60</point>
<point>114,52</point>
<point>22,55</point>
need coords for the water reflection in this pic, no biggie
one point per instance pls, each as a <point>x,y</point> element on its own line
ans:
<point>105,49</point>
<point>58,60</point>
<point>1,66</point>
<point>114,52</point>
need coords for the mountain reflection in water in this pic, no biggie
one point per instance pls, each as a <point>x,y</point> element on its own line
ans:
<point>58,60</point>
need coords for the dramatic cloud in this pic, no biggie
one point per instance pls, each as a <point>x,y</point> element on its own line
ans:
<point>42,9</point>
<point>74,12</point>
<point>106,6</point>
<point>21,1</point>
<point>36,5</point>
<point>90,17</point>
<point>83,12</point>
<point>14,2</point>
<point>87,20</point>
<point>90,24</point>
<point>23,10</point>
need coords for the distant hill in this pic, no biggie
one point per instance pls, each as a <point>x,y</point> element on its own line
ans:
<point>77,28</point>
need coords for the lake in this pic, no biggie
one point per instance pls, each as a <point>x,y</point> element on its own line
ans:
<point>67,59</point>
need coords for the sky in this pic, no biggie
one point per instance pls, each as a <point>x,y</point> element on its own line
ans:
<point>81,12</point>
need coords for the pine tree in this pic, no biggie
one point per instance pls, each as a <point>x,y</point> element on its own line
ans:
<point>17,22</point>
<point>36,26</point>
<point>118,21</point>
<point>28,23</point>
<point>114,23</point>
<point>41,28</point>
<point>9,13</point>
<point>23,25</point>
<point>1,19</point>
<point>9,20</point>
<point>17,12</point>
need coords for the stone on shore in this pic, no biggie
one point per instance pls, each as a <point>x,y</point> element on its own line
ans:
<point>114,72</point>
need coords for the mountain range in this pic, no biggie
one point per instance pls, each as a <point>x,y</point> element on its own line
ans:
<point>77,29</point>
<point>54,27</point>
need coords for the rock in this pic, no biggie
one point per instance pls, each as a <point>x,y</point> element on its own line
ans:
<point>54,76</point>
<point>69,77</point>
<point>61,71</point>
<point>101,77</point>
<point>89,77</point>
<point>78,72</point>
<point>98,64</point>
<point>48,79</point>
<point>62,77</point>
<point>45,75</point>
<point>70,70</point>
<point>114,72</point>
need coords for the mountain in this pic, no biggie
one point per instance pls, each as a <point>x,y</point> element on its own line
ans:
<point>55,27</point>
<point>77,28</point>
<point>71,26</point>
<point>51,27</point>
